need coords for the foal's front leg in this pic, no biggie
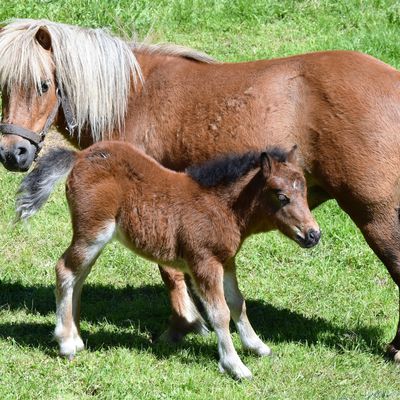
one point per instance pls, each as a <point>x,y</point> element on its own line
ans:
<point>208,277</point>
<point>237,306</point>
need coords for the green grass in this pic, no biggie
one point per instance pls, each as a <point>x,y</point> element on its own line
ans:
<point>327,313</point>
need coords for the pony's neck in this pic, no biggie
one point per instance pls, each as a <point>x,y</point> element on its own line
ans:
<point>243,198</point>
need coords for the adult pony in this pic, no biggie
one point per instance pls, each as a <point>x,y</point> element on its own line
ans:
<point>195,222</point>
<point>342,108</point>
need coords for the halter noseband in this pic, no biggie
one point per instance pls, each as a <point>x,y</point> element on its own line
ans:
<point>37,138</point>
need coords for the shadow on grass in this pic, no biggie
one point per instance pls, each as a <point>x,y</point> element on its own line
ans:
<point>130,316</point>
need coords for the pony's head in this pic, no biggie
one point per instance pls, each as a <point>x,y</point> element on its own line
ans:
<point>29,99</point>
<point>285,196</point>
<point>49,72</point>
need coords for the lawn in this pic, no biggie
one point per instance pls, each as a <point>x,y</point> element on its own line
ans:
<point>327,313</point>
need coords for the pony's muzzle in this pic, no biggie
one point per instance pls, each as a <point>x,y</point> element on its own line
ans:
<point>18,157</point>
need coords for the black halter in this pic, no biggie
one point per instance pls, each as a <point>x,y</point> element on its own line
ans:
<point>37,138</point>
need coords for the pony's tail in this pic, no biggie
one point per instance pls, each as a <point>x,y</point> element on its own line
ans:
<point>37,186</point>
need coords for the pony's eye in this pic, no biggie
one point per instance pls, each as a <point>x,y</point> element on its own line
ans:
<point>44,87</point>
<point>283,199</point>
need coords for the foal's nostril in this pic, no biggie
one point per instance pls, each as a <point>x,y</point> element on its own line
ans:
<point>313,236</point>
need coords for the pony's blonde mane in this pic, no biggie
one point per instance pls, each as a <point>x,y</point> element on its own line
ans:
<point>94,69</point>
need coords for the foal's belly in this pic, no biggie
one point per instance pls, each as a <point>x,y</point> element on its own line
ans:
<point>154,252</point>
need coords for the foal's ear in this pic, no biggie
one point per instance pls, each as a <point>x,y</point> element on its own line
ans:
<point>43,37</point>
<point>267,164</point>
<point>292,155</point>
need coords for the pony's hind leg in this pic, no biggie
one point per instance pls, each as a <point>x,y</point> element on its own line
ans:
<point>208,278</point>
<point>383,235</point>
<point>71,272</point>
<point>185,316</point>
<point>237,306</point>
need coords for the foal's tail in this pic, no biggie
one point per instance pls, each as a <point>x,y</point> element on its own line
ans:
<point>37,186</point>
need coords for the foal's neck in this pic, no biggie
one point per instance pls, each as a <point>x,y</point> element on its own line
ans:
<point>243,199</point>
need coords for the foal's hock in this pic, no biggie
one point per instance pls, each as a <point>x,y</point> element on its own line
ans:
<point>194,222</point>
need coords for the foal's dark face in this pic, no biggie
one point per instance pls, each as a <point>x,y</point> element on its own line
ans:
<point>286,196</point>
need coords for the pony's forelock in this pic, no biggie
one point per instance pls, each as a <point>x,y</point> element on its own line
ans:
<point>23,62</point>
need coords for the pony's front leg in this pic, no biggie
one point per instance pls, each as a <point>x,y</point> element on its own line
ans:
<point>208,278</point>
<point>185,316</point>
<point>237,306</point>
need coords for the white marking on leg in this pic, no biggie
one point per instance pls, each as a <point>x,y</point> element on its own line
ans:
<point>229,360</point>
<point>210,288</point>
<point>191,313</point>
<point>66,331</point>
<point>94,248</point>
<point>237,306</point>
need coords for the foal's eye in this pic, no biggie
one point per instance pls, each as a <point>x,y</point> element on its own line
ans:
<point>44,87</point>
<point>283,199</point>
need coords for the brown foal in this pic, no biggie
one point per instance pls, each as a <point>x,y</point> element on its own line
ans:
<point>194,222</point>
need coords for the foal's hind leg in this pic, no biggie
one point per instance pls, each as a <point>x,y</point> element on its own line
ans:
<point>237,306</point>
<point>208,278</point>
<point>185,316</point>
<point>71,271</point>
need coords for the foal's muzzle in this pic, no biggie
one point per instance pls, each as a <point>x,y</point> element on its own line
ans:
<point>310,239</point>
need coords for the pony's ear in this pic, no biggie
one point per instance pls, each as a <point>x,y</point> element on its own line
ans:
<point>267,164</point>
<point>292,155</point>
<point>43,37</point>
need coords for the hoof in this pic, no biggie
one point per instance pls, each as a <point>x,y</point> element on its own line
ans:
<point>170,337</point>
<point>237,371</point>
<point>69,347</point>
<point>175,333</point>
<point>264,351</point>
<point>392,353</point>
<point>261,350</point>
<point>234,366</point>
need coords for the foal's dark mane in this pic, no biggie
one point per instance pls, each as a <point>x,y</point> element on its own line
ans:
<point>231,167</point>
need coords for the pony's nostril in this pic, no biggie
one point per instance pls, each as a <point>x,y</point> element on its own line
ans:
<point>21,151</point>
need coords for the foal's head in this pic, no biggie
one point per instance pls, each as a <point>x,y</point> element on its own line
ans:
<point>285,194</point>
